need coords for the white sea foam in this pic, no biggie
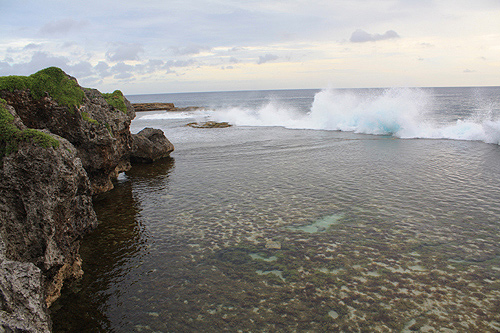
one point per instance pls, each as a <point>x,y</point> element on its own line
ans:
<point>401,112</point>
<point>198,114</point>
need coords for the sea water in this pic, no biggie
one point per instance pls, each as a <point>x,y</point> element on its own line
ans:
<point>381,205</point>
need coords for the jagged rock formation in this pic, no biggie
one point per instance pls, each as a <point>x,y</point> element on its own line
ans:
<point>150,145</point>
<point>99,131</point>
<point>45,207</point>
<point>59,145</point>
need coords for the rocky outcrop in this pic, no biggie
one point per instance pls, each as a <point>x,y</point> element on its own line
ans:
<point>59,145</point>
<point>45,208</point>
<point>22,307</point>
<point>139,107</point>
<point>98,128</point>
<point>150,145</point>
<point>209,124</point>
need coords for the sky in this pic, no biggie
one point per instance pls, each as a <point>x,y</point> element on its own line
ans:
<point>166,46</point>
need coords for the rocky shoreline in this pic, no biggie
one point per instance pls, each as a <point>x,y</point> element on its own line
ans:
<point>60,144</point>
<point>141,107</point>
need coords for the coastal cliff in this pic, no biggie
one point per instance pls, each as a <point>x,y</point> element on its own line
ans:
<point>60,144</point>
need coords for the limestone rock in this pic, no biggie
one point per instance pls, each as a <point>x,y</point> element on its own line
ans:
<point>150,145</point>
<point>22,307</point>
<point>273,245</point>
<point>99,131</point>
<point>59,145</point>
<point>139,107</point>
<point>45,208</point>
<point>209,124</point>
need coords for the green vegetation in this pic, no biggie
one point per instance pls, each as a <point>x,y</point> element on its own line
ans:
<point>52,81</point>
<point>116,100</point>
<point>10,135</point>
<point>86,117</point>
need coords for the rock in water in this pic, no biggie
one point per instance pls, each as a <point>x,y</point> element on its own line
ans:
<point>150,145</point>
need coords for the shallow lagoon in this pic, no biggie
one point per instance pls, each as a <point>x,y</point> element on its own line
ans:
<point>409,239</point>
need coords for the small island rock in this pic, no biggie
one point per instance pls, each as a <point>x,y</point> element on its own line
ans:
<point>150,145</point>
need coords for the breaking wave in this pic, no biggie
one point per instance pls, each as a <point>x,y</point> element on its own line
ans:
<point>400,112</point>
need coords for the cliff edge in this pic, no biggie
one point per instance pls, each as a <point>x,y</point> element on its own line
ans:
<point>59,145</point>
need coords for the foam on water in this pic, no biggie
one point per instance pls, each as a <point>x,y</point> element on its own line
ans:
<point>401,112</point>
<point>199,114</point>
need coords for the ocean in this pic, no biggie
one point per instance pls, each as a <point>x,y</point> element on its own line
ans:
<point>317,211</point>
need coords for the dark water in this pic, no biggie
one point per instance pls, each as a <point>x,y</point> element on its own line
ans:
<point>266,229</point>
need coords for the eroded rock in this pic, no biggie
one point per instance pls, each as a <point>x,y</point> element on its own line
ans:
<point>98,128</point>
<point>59,145</point>
<point>150,145</point>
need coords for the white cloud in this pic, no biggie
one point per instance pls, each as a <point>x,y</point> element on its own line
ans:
<point>189,50</point>
<point>361,36</point>
<point>62,26</point>
<point>99,40</point>
<point>267,58</point>
<point>124,52</point>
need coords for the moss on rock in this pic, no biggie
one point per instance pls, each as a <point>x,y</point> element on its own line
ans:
<point>52,81</point>
<point>10,135</point>
<point>86,117</point>
<point>116,100</point>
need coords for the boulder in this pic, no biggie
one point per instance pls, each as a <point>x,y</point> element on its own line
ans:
<point>150,145</point>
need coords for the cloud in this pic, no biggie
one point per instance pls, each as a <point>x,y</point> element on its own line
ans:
<point>124,52</point>
<point>31,46</point>
<point>40,60</point>
<point>179,63</point>
<point>361,36</point>
<point>122,71</point>
<point>189,50</point>
<point>102,69</point>
<point>469,71</point>
<point>268,57</point>
<point>62,27</point>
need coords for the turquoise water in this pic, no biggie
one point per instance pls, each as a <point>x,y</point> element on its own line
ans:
<point>274,228</point>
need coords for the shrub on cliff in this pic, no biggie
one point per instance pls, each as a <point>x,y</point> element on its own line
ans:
<point>116,100</point>
<point>52,81</point>
<point>10,135</point>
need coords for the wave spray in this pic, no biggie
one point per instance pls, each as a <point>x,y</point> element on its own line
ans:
<point>400,112</point>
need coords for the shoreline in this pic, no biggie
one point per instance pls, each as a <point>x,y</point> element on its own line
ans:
<point>143,107</point>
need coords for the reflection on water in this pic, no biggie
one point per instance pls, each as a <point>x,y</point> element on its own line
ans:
<point>109,253</point>
<point>332,232</point>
